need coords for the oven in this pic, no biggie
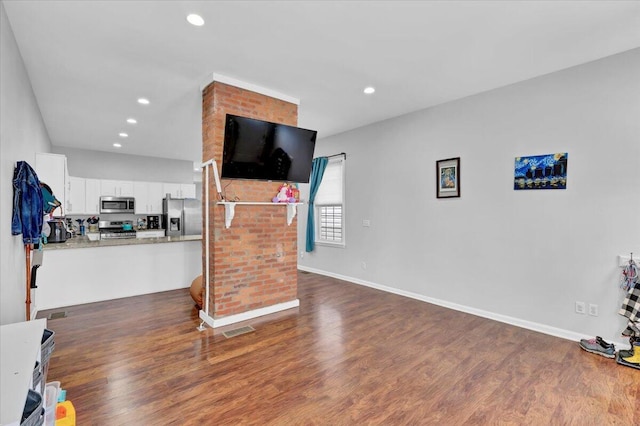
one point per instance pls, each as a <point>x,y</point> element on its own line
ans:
<point>116,230</point>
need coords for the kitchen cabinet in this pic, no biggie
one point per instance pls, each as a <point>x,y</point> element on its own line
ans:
<point>92,196</point>
<point>84,196</point>
<point>148,197</point>
<point>148,268</point>
<point>156,233</point>
<point>116,188</point>
<point>188,190</point>
<point>180,190</point>
<point>156,195</point>
<point>76,204</point>
<point>52,170</point>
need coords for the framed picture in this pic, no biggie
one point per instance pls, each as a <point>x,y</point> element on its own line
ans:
<point>448,178</point>
<point>548,171</point>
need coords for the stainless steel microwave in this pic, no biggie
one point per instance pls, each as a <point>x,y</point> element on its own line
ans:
<point>117,205</point>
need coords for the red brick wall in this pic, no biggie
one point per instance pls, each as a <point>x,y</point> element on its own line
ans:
<point>253,264</point>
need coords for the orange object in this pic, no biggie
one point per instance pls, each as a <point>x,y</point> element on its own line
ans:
<point>27,249</point>
<point>65,414</point>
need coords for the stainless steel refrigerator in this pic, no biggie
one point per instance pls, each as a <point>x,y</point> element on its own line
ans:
<point>181,216</point>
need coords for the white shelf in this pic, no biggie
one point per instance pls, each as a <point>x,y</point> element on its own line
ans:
<point>230,209</point>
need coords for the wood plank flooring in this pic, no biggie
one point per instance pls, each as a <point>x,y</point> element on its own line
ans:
<point>349,355</point>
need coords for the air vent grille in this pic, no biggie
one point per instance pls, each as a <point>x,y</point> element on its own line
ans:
<point>238,331</point>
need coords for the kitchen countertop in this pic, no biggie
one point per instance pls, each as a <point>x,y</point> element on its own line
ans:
<point>84,242</point>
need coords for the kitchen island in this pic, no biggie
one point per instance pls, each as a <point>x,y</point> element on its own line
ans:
<point>80,271</point>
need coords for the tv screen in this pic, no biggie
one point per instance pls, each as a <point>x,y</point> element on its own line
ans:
<point>256,149</point>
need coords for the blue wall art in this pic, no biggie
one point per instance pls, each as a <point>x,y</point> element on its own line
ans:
<point>541,172</point>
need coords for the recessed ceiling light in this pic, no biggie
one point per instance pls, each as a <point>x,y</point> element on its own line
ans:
<point>123,135</point>
<point>117,145</point>
<point>132,120</point>
<point>143,101</point>
<point>369,90</point>
<point>195,20</point>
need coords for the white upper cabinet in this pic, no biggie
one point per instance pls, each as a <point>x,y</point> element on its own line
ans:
<point>84,196</point>
<point>116,188</point>
<point>76,204</point>
<point>180,190</point>
<point>148,197</point>
<point>141,194</point>
<point>92,196</point>
<point>155,197</point>
<point>188,190</point>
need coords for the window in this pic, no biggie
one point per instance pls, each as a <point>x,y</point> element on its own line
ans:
<point>329,204</point>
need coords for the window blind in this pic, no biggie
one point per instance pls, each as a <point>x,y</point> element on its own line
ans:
<point>331,187</point>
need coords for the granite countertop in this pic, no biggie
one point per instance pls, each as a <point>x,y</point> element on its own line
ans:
<point>84,242</point>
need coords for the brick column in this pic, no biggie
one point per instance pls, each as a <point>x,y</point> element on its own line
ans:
<point>253,264</point>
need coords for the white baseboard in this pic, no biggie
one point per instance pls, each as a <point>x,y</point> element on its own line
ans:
<point>244,316</point>
<point>518,322</point>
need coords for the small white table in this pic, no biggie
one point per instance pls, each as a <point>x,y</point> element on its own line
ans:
<point>20,347</point>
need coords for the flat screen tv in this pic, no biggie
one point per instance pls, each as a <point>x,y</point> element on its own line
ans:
<point>256,149</point>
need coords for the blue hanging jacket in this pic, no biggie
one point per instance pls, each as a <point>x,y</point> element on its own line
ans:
<point>27,204</point>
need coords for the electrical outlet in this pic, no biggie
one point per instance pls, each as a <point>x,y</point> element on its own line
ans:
<point>593,309</point>
<point>301,255</point>
<point>581,308</point>
<point>366,222</point>
<point>363,265</point>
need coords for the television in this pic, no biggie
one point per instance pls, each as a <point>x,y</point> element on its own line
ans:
<point>256,149</point>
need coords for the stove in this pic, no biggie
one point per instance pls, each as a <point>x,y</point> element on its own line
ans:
<point>116,229</point>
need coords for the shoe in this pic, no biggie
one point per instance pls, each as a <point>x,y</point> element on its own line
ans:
<point>603,343</point>
<point>625,353</point>
<point>635,358</point>
<point>594,347</point>
<point>621,361</point>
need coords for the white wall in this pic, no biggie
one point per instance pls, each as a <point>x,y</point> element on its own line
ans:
<point>524,256</point>
<point>22,134</point>
<point>108,165</point>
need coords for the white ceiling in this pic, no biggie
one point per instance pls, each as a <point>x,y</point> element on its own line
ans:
<point>89,61</point>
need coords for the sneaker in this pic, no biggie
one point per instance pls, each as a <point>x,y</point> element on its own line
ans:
<point>591,345</point>
<point>603,343</point>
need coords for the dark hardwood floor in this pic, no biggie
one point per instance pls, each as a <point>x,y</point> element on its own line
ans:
<point>349,355</point>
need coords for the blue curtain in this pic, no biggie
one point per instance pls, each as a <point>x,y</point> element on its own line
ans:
<point>317,171</point>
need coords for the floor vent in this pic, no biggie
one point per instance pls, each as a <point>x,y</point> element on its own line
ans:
<point>56,315</point>
<point>238,331</point>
